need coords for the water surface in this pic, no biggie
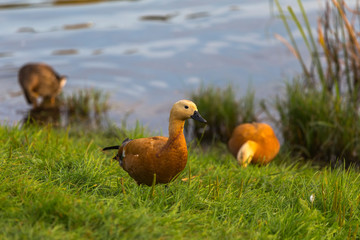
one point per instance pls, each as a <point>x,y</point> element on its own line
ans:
<point>147,54</point>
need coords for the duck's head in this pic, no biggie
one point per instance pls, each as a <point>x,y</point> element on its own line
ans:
<point>185,109</point>
<point>62,81</point>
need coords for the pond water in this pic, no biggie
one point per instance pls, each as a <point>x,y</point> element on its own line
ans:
<point>147,54</point>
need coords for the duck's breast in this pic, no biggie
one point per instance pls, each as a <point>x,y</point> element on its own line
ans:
<point>173,157</point>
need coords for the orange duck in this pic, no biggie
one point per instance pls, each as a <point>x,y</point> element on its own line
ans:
<point>253,142</point>
<point>159,157</point>
<point>40,80</point>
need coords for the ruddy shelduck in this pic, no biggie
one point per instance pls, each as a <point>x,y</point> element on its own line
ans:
<point>253,142</point>
<point>159,159</point>
<point>40,80</point>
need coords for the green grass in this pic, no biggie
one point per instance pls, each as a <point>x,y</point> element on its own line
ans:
<point>57,184</point>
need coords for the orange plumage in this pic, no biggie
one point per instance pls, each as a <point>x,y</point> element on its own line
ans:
<point>160,156</point>
<point>253,142</point>
<point>40,80</point>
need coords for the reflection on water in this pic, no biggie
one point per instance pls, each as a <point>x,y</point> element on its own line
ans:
<point>5,54</point>
<point>197,15</point>
<point>43,116</point>
<point>78,26</point>
<point>66,2</point>
<point>14,5</point>
<point>10,4</point>
<point>26,30</point>
<point>158,17</point>
<point>65,52</point>
<point>58,116</point>
<point>86,108</point>
<point>45,113</point>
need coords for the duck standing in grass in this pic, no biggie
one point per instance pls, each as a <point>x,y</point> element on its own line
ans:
<point>253,142</point>
<point>40,80</point>
<point>159,158</point>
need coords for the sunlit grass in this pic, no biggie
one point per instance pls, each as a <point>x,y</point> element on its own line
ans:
<point>57,184</point>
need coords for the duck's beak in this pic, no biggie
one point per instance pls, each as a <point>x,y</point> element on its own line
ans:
<point>196,116</point>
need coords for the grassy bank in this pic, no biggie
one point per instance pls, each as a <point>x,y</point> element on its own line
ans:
<point>57,184</point>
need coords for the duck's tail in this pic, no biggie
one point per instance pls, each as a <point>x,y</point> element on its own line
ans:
<point>126,141</point>
<point>120,148</point>
<point>111,148</point>
<point>246,153</point>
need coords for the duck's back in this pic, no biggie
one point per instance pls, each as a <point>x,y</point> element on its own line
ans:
<point>144,157</point>
<point>260,133</point>
<point>40,78</point>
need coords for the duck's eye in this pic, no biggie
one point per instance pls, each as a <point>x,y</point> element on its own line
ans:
<point>186,107</point>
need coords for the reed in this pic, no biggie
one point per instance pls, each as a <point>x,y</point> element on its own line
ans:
<point>319,116</point>
<point>335,55</point>
<point>85,102</point>
<point>85,108</point>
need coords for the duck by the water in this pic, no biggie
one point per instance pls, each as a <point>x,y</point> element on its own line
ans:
<point>253,143</point>
<point>40,80</point>
<point>159,159</point>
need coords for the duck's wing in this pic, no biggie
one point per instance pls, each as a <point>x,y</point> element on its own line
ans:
<point>139,158</point>
<point>144,146</point>
<point>48,82</point>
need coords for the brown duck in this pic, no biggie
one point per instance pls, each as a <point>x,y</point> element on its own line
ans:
<point>159,158</point>
<point>40,80</point>
<point>253,142</point>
